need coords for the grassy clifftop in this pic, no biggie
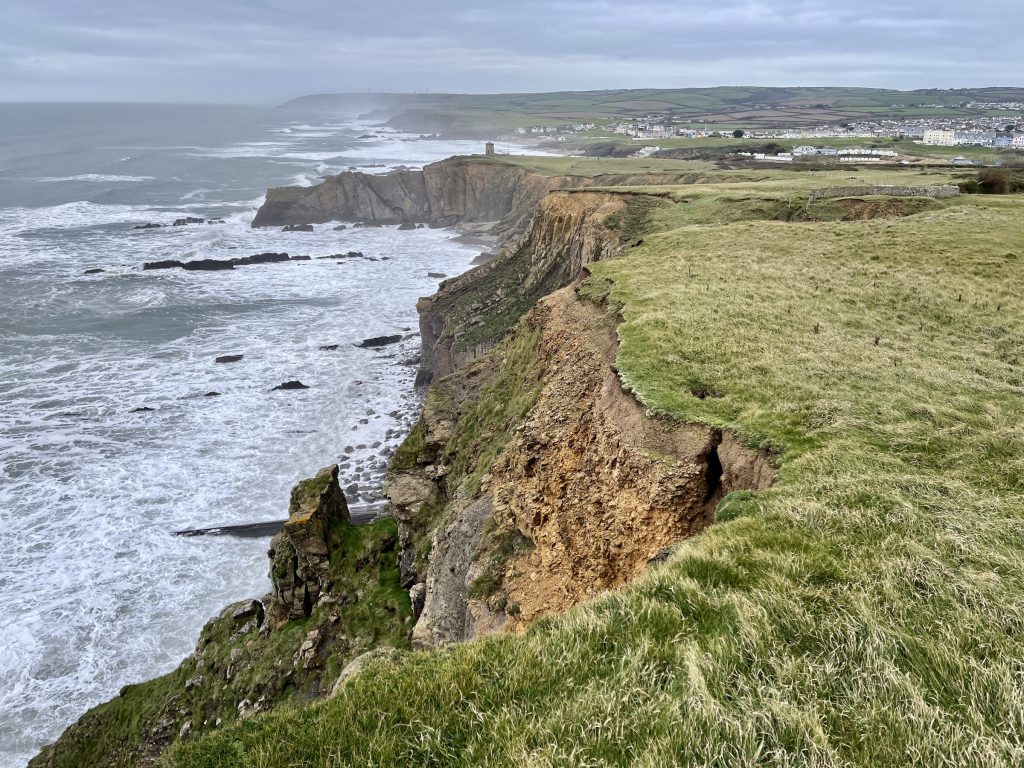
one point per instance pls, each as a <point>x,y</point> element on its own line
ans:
<point>866,610</point>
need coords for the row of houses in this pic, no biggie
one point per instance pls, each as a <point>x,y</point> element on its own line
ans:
<point>855,151</point>
<point>950,138</point>
<point>567,128</point>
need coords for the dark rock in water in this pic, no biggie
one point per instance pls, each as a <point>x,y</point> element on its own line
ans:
<point>212,394</point>
<point>243,531</point>
<point>259,258</point>
<point>211,265</point>
<point>367,224</point>
<point>352,489</point>
<point>328,347</point>
<point>143,409</point>
<point>94,271</point>
<point>294,384</point>
<point>411,361</point>
<point>341,227</point>
<point>150,225</point>
<point>215,221</point>
<point>229,358</point>
<point>421,226</point>
<point>436,274</point>
<point>166,264</point>
<point>207,265</point>
<point>187,220</point>
<point>366,136</point>
<point>407,226</point>
<point>379,341</point>
<point>297,228</point>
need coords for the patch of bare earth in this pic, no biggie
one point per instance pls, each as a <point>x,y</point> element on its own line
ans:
<point>598,486</point>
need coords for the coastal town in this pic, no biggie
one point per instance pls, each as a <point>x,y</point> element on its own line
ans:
<point>991,125</point>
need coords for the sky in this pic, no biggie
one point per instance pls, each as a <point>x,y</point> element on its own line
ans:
<point>267,51</point>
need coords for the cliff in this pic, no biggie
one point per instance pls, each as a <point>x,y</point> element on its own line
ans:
<point>875,588</point>
<point>460,190</point>
<point>532,482</point>
<point>445,193</point>
<point>535,482</point>
<point>470,313</point>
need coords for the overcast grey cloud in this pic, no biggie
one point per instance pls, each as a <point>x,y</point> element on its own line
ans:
<point>267,51</point>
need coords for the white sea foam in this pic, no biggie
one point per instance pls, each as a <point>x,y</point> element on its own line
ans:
<point>104,177</point>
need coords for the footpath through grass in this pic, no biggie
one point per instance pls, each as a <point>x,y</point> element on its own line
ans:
<point>867,610</point>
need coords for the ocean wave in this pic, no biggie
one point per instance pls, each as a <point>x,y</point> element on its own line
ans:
<point>103,177</point>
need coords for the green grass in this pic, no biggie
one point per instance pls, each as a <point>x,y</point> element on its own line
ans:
<point>866,610</point>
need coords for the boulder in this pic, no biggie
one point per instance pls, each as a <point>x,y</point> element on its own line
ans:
<point>94,271</point>
<point>406,226</point>
<point>301,258</point>
<point>341,228</point>
<point>297,228</point>
<point>187,220</point>
<point>228,358</point>
<point>142,409</point>
<point>150,225</point>
<point>300,554</point>
<point>436,274</point>
<point>328,347</point>
<point>379,341</point>
<point>294,384</point>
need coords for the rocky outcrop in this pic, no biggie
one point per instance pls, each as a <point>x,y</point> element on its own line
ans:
<point>442,194</point>
<point>338,582</point>
<point>300,554</point>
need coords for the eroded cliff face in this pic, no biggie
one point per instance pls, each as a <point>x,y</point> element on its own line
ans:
<point>472,312</point>
<point>598,487</point>
<point>571,492</point>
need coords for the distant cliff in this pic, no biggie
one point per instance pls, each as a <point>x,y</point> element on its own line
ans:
<point>460,190</point>
<point>446,193</point>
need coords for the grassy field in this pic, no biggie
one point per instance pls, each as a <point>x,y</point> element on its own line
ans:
<point>866,610</point>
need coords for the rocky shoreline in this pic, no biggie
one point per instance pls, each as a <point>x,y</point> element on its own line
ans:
<point>525,434</point>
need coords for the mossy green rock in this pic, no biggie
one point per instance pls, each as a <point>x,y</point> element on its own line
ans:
<point>300,553</point>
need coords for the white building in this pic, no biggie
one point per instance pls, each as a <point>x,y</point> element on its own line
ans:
<point>940,138</point>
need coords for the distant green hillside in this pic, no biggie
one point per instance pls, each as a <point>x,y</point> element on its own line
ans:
<point>753,106</point>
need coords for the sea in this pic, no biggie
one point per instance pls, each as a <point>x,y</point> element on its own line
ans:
<point>117,426</point>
